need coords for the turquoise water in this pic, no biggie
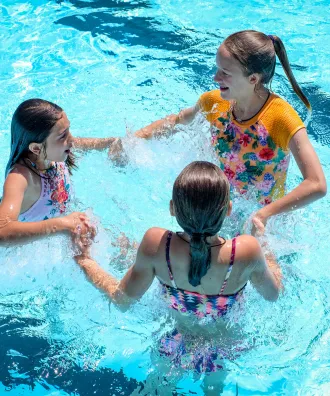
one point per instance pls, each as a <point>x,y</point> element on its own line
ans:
<point>114,67</point>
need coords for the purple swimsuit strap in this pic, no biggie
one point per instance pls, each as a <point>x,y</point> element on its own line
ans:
<point>232,259</point>
<point>168,243</point>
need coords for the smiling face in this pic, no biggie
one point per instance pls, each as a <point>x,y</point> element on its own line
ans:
<point>59,142</point>
<point>233,84</point>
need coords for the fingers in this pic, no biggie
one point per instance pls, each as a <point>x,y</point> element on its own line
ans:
<point>258,228</point>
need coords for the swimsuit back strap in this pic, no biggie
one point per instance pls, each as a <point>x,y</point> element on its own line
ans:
<point>232,259</point>
<point>168,243</point>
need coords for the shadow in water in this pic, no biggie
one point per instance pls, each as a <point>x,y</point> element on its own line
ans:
<point>22,358</point>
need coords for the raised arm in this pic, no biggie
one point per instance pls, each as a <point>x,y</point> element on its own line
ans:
<point>13,231</point>
<point>309,190</point>
<point>165,126</point>
<point>134,284</point>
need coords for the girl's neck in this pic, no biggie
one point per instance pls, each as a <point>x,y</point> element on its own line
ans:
<point>246,107</point>
<point>40,164</point>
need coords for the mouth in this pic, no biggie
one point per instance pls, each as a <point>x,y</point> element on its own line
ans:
<point>223,88</point>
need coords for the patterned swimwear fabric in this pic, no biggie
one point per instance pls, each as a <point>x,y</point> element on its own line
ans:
<point>253,153</point>
<point>54,197</point>
<point>174,345</point>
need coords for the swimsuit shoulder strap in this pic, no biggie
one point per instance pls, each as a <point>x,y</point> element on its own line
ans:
<point>168,243</point>
<point>232,259</point>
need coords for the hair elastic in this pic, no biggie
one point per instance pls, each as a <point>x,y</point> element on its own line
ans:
<point>272,38</point>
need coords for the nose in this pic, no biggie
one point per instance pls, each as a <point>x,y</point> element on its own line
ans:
<point>70,139</point>
<point>217,76</point>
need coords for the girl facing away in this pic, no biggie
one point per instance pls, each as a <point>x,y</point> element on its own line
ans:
<point>37,189</point>
<point>201,275</point>
<point>253,130</point>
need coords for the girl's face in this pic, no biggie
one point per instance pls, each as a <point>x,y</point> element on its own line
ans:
<point>59,142</point>
<point>234,85</point>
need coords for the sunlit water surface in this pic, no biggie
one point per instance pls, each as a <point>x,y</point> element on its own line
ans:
<point>114,67</point>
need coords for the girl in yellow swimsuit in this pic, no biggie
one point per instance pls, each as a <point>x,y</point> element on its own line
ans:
<point>252,129</point>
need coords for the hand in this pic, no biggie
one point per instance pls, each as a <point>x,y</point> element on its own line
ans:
<point>116,153</point>
<point>258,225</point>
<point>78,224</point>
<point>125,244</point>
<point>83,243</point>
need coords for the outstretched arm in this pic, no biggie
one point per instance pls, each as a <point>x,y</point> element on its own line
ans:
<point>13,231</point>
<point>165,126</point>
<point>93,143</point>
<point>135,283</point>
<point>309,190</point>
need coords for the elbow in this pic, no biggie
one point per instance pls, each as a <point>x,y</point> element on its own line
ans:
<point>319,189</point>
<point>322,189</point>
<point>121,301</point>
<point>273,296</point>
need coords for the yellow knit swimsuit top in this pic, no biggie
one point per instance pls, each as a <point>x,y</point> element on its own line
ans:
<point>254,154</point>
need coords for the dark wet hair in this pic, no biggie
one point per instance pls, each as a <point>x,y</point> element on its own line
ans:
<point>201,198</point>
<point>32,123</point>
<point>256,52</point>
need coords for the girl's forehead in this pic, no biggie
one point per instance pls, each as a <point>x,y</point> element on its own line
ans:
<point>61,125</point>
<point>226,61</point>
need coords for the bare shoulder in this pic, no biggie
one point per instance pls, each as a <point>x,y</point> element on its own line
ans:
<point>21,170</point>
<point>247,248</point>
<point>153,240</point>
<point>19,177</point>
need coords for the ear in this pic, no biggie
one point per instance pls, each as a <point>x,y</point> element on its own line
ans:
<point>172,210</point>
<point>230,207</point>
<point>254,78</point>
<point>35,148</point>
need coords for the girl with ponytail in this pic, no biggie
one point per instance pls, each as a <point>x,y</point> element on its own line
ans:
<point>201,274</point>
<point>253,130</point>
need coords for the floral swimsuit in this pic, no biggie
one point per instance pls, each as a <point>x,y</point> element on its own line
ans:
<point>54,197</point>
<point>254,154</point>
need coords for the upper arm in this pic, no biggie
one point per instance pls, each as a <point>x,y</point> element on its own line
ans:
<point>306,158</point>
<point>261,277</point>
<point>140,276</point>
<point>13,195</point>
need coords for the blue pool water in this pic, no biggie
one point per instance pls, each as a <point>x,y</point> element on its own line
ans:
<point>115,66</point>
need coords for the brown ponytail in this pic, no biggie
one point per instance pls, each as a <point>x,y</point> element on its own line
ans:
<point>282,56</point>
<point>200,199</point>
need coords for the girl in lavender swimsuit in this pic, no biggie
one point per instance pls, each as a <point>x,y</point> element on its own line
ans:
<point>37,190</point>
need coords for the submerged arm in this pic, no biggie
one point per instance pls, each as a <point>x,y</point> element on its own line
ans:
<point>266,275</point>
<point>313,186</point>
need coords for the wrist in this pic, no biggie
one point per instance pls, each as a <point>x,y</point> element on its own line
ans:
<point>83,259</point>
<point>263,214</point>
<point>55,225</point>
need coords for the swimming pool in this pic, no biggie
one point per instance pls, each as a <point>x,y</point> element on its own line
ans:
<point>116,66</point>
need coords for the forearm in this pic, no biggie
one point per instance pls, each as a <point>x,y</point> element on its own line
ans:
<point>306,193</point>
<point>12,232</point>
<point>158,128</point>
<point>93,143</point>
<point>274,268</point>
<point>101,279</point>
